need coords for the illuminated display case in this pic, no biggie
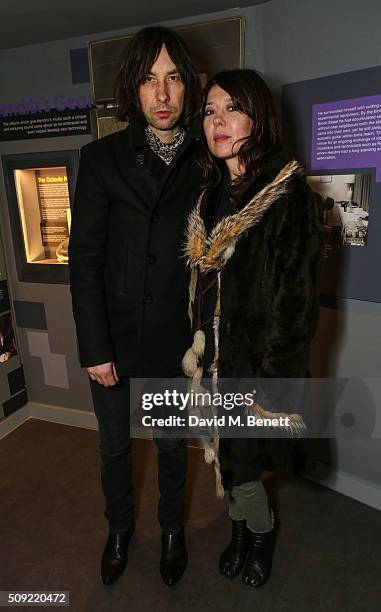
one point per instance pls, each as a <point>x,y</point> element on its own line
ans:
<point>40,190</point>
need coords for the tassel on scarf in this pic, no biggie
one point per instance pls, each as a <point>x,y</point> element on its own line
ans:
<point>209,454</point>
<point>190,362</point>
<point>296,424</point>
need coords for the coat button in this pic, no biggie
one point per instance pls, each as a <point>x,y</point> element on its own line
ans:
<point>151,259</point>
<point>148,299</point>
<point>140,159</point>
<point>154,217</point>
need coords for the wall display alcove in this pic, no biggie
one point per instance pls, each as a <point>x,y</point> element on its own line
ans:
<point>40,190</point>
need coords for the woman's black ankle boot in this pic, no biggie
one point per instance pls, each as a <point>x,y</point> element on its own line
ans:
<point>234,555</point>
<point>259,558</point>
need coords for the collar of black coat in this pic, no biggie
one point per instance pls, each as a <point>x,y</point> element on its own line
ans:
<point>270,168</point>
<point>211,251</point>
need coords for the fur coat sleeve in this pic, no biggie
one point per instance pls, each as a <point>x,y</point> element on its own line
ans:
<point>296,242</point>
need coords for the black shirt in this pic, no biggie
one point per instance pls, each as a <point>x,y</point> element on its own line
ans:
<point>206,291</point>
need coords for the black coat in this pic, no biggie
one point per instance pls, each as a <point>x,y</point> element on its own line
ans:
<point>128,281</point>
<point>269,300</point>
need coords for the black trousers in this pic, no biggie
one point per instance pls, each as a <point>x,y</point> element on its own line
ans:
<point>112,409</point>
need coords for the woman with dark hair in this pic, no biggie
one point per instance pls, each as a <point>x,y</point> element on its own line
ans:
<point>254,245</point>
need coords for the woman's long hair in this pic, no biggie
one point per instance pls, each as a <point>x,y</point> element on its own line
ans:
<point>251,95</point>
<point>137,59</point>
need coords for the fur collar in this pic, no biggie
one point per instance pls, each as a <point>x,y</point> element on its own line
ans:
<point>211,252</point>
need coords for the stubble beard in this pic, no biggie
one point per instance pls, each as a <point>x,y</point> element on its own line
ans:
<point>165,125</point>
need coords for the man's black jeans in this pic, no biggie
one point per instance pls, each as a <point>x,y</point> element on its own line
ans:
<point>112,409</point>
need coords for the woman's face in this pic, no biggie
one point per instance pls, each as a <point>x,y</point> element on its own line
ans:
<point>224,125</point>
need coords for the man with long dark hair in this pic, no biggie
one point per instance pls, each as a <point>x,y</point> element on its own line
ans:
<point>134,191</point>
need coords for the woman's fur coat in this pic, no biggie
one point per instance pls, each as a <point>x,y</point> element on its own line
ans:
<point>268,254</point>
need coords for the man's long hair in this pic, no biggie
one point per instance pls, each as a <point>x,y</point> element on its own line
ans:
<point>251,95</point>
<point>140,54</point>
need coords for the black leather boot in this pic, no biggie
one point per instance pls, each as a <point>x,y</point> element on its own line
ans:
<point>174,557</point>
<point>259,559</point>
<point>114,558</point>
<point>234,555</point>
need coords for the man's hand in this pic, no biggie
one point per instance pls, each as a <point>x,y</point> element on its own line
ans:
<point>105,374</point>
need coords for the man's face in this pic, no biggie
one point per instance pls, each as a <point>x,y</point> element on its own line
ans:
<point>161,95</point>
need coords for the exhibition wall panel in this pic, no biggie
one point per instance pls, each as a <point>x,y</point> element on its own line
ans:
<point>42,310</point>
<point>311,40</point>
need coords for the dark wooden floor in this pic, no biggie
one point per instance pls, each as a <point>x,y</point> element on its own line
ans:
<point>52,533</point>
